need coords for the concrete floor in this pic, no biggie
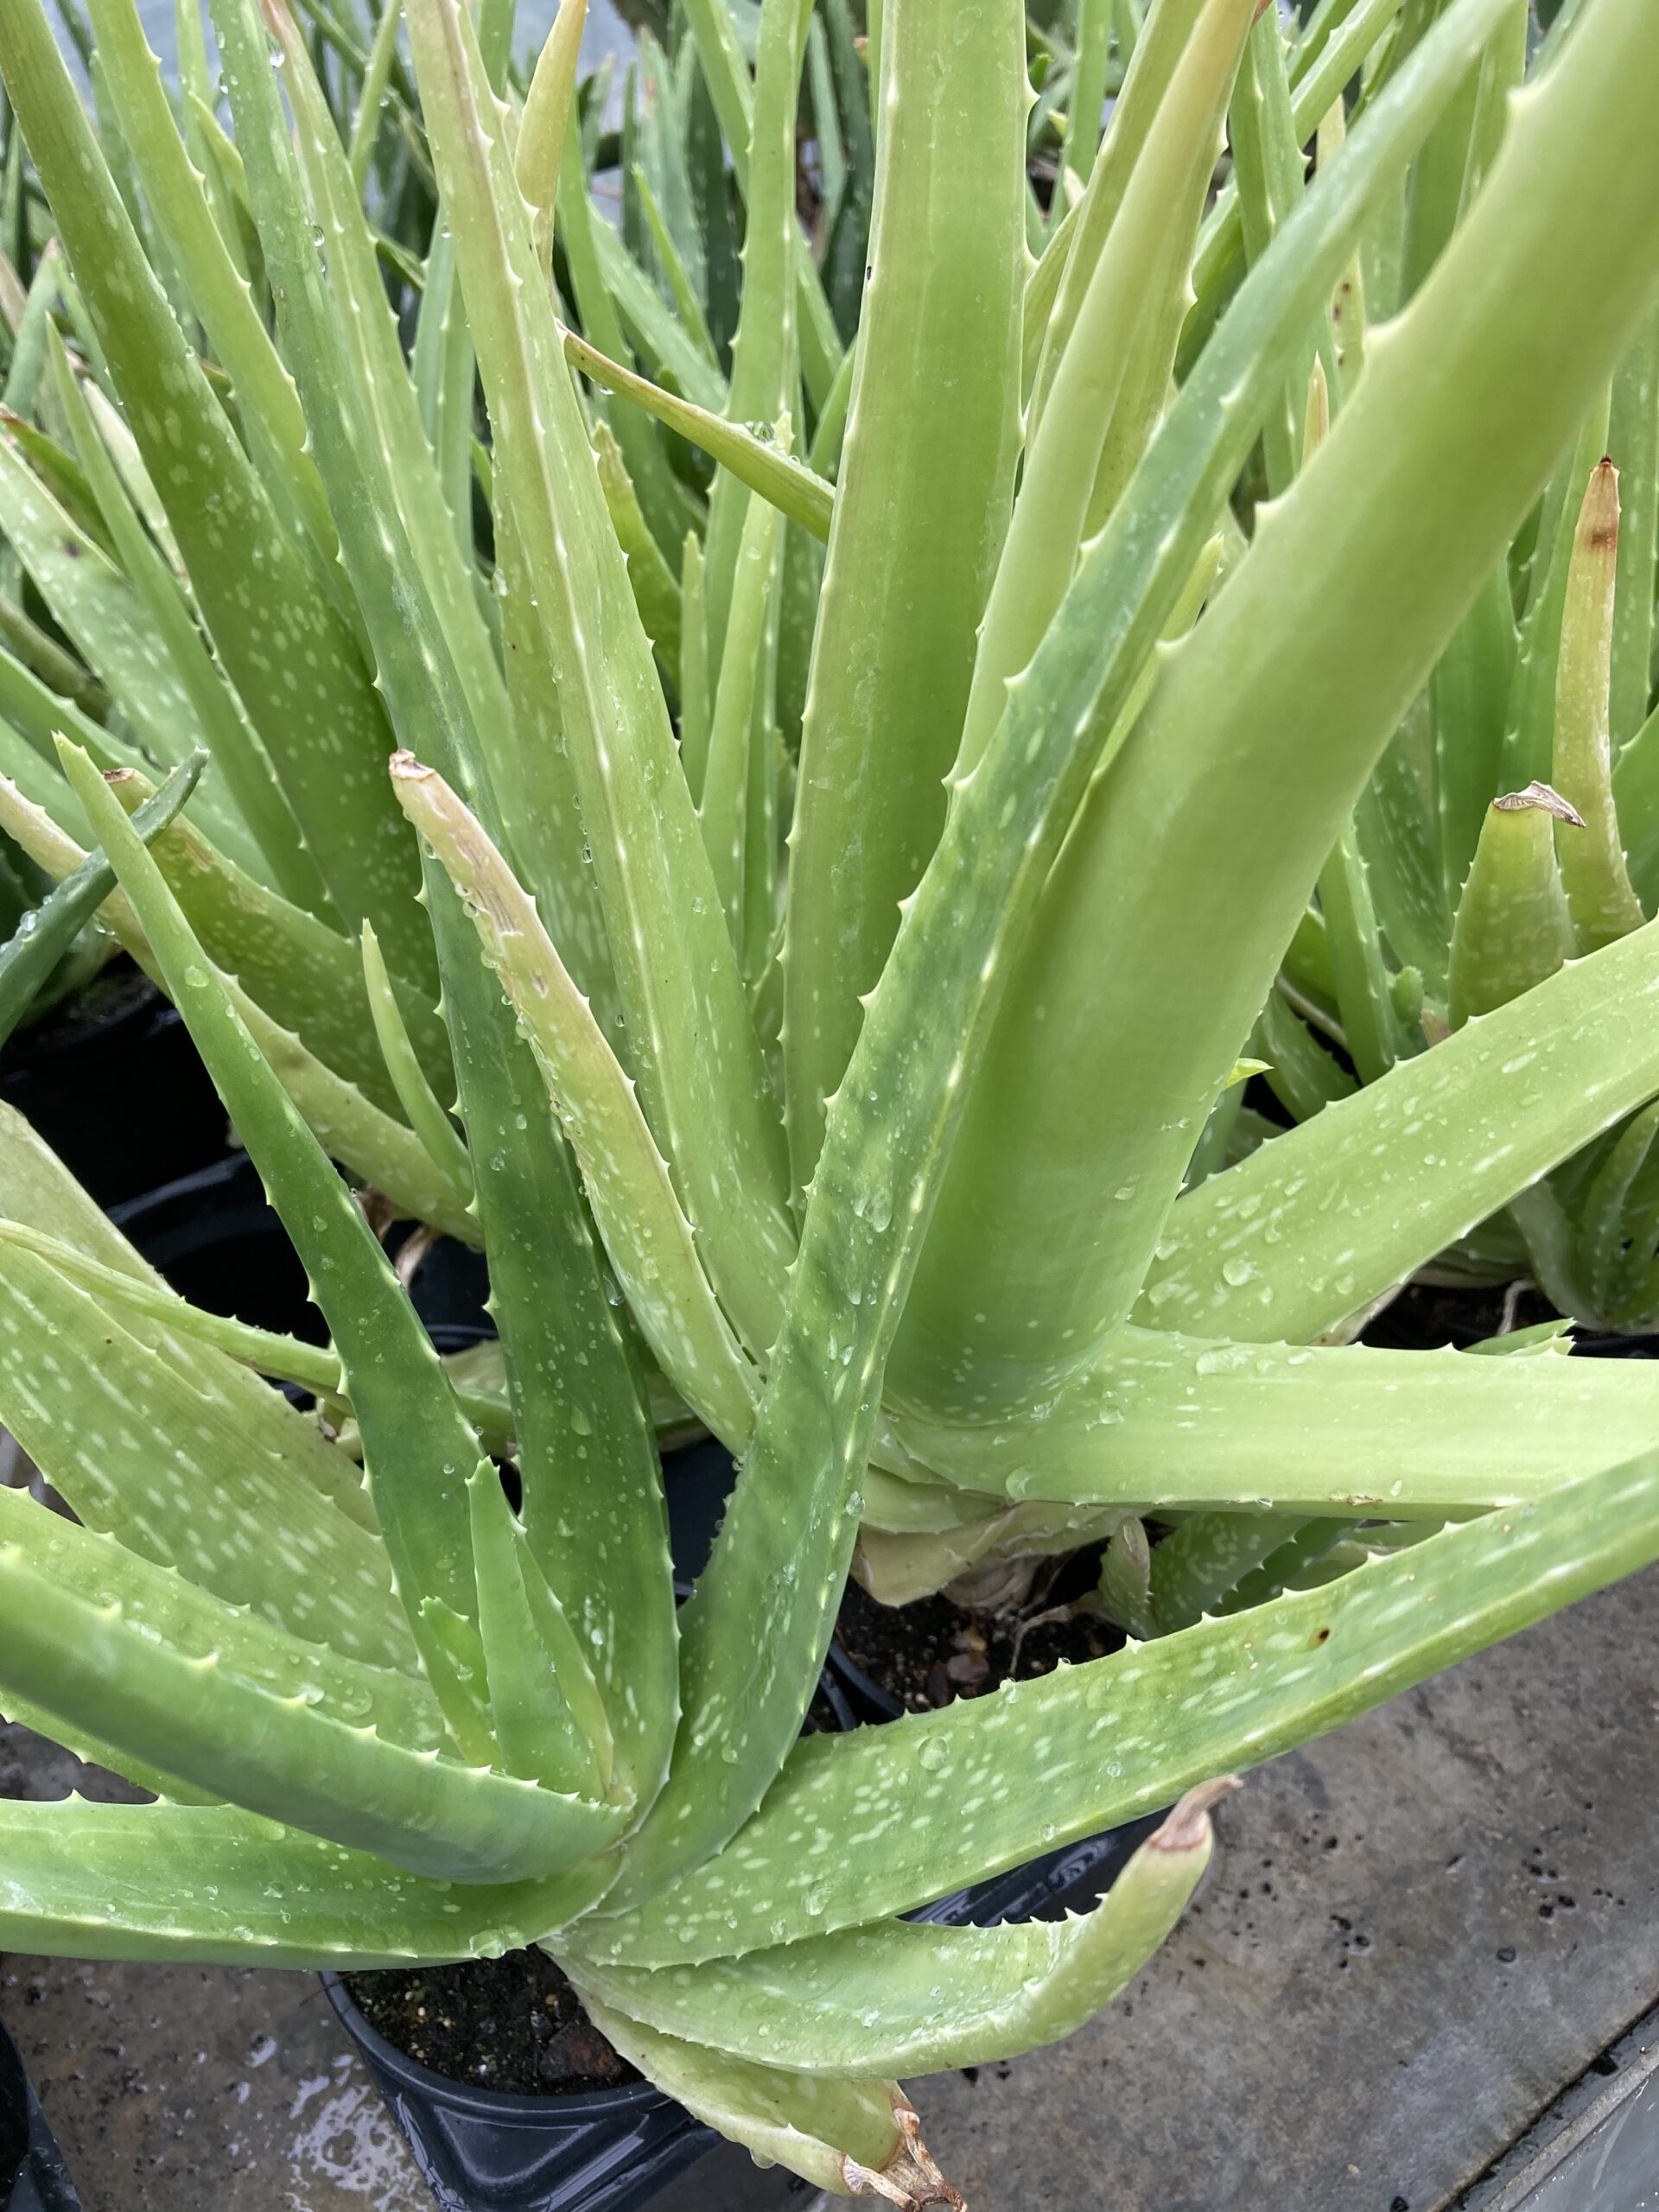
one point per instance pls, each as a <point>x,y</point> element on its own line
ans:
<point>1414,1936</point>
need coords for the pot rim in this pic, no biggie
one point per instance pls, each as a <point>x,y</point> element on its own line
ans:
<point>497,2104</point>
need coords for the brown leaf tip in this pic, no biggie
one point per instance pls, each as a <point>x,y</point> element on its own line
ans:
<point>910,2179</point>
<point>1540,795</point>
<point>404,764</point>
<point>1188,1825</point>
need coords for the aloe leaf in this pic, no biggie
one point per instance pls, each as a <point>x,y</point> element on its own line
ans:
<point>180,196</point>
<point>655,334</point>
<point>1461,1129</point>
<point>689,1034</point>
<point>347,1123</point>
<point>764,349</point>
<point>1594,876</point>
<point>923,492</point>
<point>906,1997</point>
<point>372,100</point>
<point>539,157</point>
<point>644,452</point>
<point>313,1366</point>
<point>172,1606</point>
<point>418,1448</point>
<point>82,1880</point>
<point>596,1572</point>
<point>724,807</point>
<point>438,670</point>
<point>1085,1065</point>
<point>143,1451</point>
<point>687,303</point>
<point>1531,715</point>
<point>300,970</point>
<point>415,1094</point>
<point>761,463</point>
<point>1203,1557</point>
<point>184,1703</point>
<point>873,1189</point>
<point>37,1191</point>
<point>649,1241</point>
<point>238,758</point>
<point>97,606</point>
<point>952,1796</point>
<point>1163,1420</point>
<point>1513,925</point>
<point>696,702</point>
<point>1633,440</point>
<point>47,931</point>
<point>1337,63</point>
<point>260,596</point>
<point>1146,251</point>
<point>857,2138</point>
<point>656,587</point>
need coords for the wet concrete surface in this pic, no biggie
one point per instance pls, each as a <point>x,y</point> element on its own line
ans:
<point>1414,1934</point>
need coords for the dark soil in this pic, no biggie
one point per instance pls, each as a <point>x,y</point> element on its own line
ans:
<point>512,2024</point>
<point>1428,1315</point>
<point>928,1654</point>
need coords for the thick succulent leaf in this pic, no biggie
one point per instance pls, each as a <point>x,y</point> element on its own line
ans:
<point>922,502</point>
<point>350,1127</point>
<point>418,1448</point>
<point>173,1602</point>
<point>888,1140</point>
<point>647,1237</point>
<point>908,1996</point>
<point>239,760</point>
<point>79,1880</point>
<point>952,1796</point>
<point>97,606</point>
<point>857,2138</point>
<point>695,1053</point>
<point>304,974</point>
<point>289,654</point>
<point>794,489</point>
<point>764,356</point>
<point>144,1452</point>
<point>47,931</point>
<point>1094,385</point>
<point>183,1703</point>
<point>433,655</point>
<point>1166,1422</point>
<point>1633,440</point>
<point>178,195</point>
<point>1312,1227</point>
<point>38,1192</point>
<point>597,1576</point>
<point>1385,538</point>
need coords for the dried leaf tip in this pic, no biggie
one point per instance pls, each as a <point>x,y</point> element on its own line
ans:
<point>406,768</point>
<point>1540,795</point>
<point>910,2178</point>
<point>1188,1825</point>
<point>1599,517</point>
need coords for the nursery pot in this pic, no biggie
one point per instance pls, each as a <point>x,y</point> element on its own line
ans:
<point>611,2150</point>
<point>33,2176</point>
<point>220,1243</point>
<point>112,1081</point>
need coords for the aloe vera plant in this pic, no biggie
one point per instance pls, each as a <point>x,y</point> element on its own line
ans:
<point>875,1085</point>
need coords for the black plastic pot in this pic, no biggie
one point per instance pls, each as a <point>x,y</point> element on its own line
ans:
<point>112,1081</point>
<point>600,2151</point>
<point>33,2176</point>
<point>220,1242</point>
